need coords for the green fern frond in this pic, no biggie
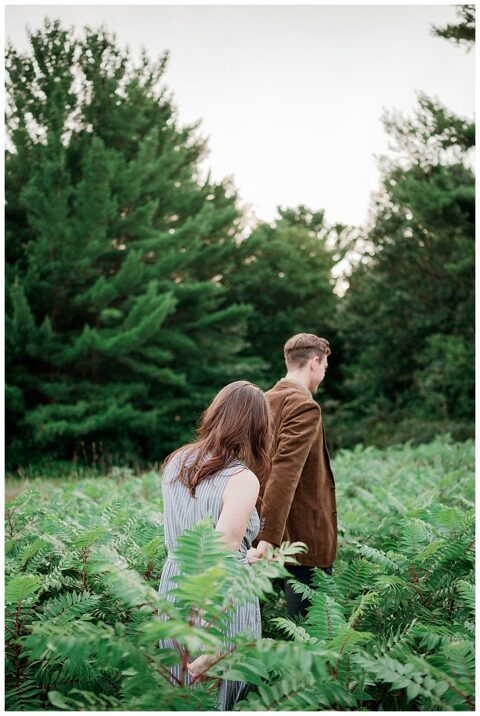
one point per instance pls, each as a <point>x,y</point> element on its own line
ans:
<point>325,618</point>
<point>453,670</point>
<point>304,590</point>
<point>69,606</point>
<point>194,638</point>
<point>204,590</point>
<point>84,701</point>
<point>124,583</point>
<point>446,520</point>
<point>466,594</point>
<point>404,676</point>
<point>26,697</point>
<point>349,639</point>
<point>248,668</point>
<point>200,548</point>
<point>56,579</point>
<point>361,604</point>
<point>431,637</point>
<point>22,587</point>
<point>377,556</point>
<point>30,550</point>
<point>89,537</point>
<point>397,639</point>
<point>429,551</point>
<point>256,580</point>
<point>415,534</point>
<point>355,577</point>
<point>287,694</point>
<point>293,630</point>
<point>395,584</point>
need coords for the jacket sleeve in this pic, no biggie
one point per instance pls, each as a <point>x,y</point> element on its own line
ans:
<point>297,434</point>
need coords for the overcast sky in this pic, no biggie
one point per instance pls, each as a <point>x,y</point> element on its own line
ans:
<point>290,96</point>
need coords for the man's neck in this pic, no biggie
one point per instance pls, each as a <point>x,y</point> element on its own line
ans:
<point>299,378</point>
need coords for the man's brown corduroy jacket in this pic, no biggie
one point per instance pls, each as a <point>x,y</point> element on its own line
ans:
<point>297,502</point>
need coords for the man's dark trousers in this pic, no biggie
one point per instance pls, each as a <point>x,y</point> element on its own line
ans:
<point>296,605</point>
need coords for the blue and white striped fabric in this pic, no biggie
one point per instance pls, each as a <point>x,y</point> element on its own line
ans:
<point>182,511</point>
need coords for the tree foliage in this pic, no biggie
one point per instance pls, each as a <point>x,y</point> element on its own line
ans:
<point>463,32</point>
<point>283,271</point>
<point>407,319</point>
<point>118,327</point>
<point>132,294</point>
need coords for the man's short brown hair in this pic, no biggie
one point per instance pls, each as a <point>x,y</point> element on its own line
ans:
<point>303,346</point>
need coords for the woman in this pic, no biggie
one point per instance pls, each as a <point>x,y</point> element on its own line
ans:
<point>219,475</point>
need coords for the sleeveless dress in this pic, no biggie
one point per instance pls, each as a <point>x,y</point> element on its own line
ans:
<point>182,511</point>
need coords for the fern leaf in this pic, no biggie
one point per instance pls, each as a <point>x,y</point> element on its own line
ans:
<point>325,617</point>
<point>377,556</point>
<point>303,589</point>
<point>126,584</point>
<point>466,594</point>
<point>69,606</point>
<point>26,697</point>
<point>21,587</point>
<point>84,701</point>
<point>293,630</point>
<point>355,576</point>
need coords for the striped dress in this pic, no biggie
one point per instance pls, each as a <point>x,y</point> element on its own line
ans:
<point>182,511</point>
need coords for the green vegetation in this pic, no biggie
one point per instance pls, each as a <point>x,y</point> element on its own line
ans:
<point>118,327</point>
<point>407,320</point>
<point>134,290</point>
<point>393,629</point>
<point>291,262</point>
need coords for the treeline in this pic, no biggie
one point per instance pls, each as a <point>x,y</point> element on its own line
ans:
<point>134,291</point>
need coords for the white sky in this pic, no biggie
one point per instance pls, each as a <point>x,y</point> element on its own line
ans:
<point>290,96</point>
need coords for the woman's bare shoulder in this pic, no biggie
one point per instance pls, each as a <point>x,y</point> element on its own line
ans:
<point>242,481</point>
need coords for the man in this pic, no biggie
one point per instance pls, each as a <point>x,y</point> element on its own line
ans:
<point>297,502</point>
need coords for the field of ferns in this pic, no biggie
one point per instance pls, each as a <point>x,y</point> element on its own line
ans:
<point>392,630</point>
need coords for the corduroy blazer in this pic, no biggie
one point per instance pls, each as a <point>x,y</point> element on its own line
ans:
<point>297,501</point>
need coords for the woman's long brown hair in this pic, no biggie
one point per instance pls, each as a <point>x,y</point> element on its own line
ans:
<point>236,425</point>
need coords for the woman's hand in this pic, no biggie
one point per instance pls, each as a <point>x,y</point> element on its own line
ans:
<point>200,665</point>
<point>252,555</point>
<point>262,548</point>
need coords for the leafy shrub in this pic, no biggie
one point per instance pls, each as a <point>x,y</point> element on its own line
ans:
<point>393,629</point>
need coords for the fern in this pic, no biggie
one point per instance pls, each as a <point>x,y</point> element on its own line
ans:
<point>325,618</point>
<point>21,588</point>
<point>466,595</point>
<point>393,629</point>
<point>78,700</point>
<point>69,606</point>
<point>304,590</point>
<point>293,630</point>
<point>377,556</point>
<point>26,697</point>
<point>354,577</point>
<point>404,676</point>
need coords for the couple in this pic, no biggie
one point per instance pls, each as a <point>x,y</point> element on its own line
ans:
<point>259,449</point>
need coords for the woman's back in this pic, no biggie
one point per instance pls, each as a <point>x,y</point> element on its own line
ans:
<point>182,511</point>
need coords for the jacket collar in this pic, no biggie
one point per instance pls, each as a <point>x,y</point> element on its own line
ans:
<point>296,384</point>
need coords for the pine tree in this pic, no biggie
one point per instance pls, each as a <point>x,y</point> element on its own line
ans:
<point>118,326</point>
<point>408,317</point>
<point>463,32</point>
<point>284,272</point>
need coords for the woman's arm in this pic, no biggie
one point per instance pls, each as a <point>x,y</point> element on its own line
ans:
<point>238,501</point>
